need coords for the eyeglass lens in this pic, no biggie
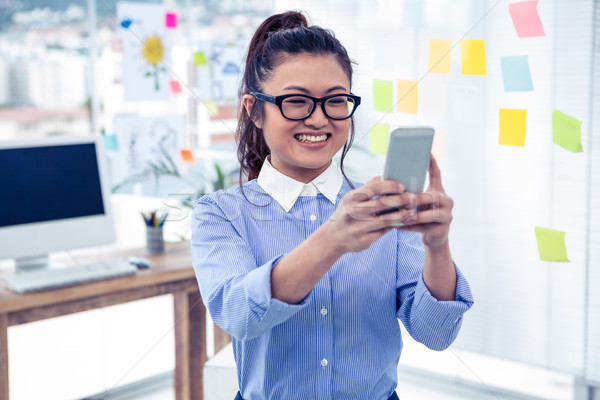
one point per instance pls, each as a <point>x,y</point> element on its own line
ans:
<point>298,107</point>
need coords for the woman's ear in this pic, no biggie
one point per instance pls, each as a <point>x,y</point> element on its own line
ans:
<point>248,101</point>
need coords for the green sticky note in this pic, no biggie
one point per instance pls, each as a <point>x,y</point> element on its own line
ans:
<point>551,245</point>
<point>566,131</point>
<point>382,95</point>
<point>378,138</point>
<point>199,58</point>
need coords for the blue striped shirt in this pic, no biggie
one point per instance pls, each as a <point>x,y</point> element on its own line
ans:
<point>343,340</point>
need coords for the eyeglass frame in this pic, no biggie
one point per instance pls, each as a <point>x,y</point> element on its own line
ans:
<point>278,101</point>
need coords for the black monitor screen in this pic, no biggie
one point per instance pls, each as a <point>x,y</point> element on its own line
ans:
<point>49,183</point>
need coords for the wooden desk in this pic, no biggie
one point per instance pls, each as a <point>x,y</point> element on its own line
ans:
<point>170,273</point>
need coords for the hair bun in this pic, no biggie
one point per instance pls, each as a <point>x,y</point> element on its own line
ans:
<point>279,22</point>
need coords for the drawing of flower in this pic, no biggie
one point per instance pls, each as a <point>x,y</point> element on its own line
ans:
<point>153,51</point>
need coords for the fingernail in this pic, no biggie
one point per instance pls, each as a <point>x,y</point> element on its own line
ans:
<point>400,187</point>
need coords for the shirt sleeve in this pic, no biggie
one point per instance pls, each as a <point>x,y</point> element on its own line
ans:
<point>429,321</point>
<point>236,291</point>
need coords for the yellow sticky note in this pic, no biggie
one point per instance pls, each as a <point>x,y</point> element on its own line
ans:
<point>439,56</point>
<point>551,245</point>
<point>472,56</point>
<point>378,138</point>
<point>566,131</point>
<point>382,95</point>
<point>212,108</point>
<point>408,96</point>
<point>513,127</point>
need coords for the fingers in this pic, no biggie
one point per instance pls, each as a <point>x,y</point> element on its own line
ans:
<point>377,187</point>
<point>435,175</point>
<point>432,216</point>
<point>430,199</point>
<point>383,205</point>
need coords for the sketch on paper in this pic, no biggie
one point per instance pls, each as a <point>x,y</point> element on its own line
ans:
<point>144,142</point>
<point>218,66</point>
<point>146,51</point>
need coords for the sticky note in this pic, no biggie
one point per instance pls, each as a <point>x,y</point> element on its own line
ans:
<point>526,19</point>
<point>551,245</point>
<point>382,95</point>
<point>408,96</point>
<point>110,143</point>
<point>433,97</point>
<point>566,131</point>
<point>212,108</point>
<point>171,20</point>
<point>378,138</point>
<point>472,56</point>
<point>415,14</point>
<point>466,104</point>
<point>439,56</point>
<point>515,74</point>
<point>199,58</point>
<point>512,127</point>
<point>175,87</point>
<point>187,155</point>
<point>126,23</point>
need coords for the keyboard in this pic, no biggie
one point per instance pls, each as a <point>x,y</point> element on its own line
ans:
<point>45,279</point>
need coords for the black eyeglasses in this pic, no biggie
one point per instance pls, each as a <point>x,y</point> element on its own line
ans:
<point>297,107</point>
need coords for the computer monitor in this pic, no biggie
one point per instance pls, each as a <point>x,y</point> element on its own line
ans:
<point>53,197</point>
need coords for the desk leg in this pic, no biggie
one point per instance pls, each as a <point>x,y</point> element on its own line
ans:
<point>190,345</point>
<point>3,356</point>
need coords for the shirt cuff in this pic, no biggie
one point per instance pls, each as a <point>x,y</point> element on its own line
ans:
<point>443,313</point>
<point>269,311</point>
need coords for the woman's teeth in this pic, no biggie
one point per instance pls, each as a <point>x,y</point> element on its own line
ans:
<point>311,138</point>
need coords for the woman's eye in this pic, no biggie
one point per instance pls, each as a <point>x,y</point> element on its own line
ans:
<point>297,102</point>
<point>337,102</point>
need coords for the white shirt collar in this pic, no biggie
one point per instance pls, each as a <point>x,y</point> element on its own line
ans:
<point>286,190</point>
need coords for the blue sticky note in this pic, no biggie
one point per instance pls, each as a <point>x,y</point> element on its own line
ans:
<point>414,14</point>
<point>126,23</point>
<point>515,74</point>
<point>110,143</point>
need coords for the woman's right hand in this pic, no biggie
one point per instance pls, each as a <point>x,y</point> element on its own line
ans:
<point>357,221</point>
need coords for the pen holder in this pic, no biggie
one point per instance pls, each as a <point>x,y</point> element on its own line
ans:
<point>154,239</point>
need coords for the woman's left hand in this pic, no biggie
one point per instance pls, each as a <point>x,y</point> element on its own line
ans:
<point>434,211</point>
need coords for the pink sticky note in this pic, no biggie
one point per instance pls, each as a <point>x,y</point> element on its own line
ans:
<point>171,20</point>
<point>526,19</point>
<point>176,87</point>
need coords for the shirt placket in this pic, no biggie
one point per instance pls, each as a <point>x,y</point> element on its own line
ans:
<point>323,355</point>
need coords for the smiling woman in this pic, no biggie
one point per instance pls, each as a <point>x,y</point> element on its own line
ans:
<point>298,264</point>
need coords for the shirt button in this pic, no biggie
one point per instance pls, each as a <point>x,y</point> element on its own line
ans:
<point>323,311</point>
<point>313,218</point>
<point>324,362</point>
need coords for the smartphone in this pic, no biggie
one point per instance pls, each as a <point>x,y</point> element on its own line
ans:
<point>407,159</point>
<point>408,155</point>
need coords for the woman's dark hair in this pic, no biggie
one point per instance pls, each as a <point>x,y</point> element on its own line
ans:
<point>278,37</point>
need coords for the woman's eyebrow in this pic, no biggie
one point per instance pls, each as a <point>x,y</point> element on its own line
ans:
<point>304,90</point>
